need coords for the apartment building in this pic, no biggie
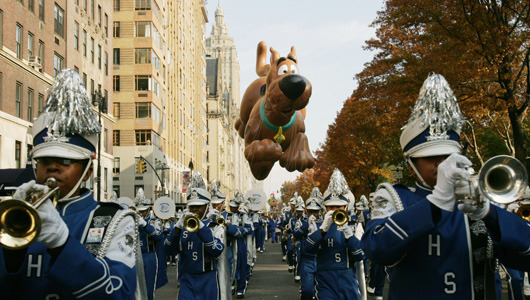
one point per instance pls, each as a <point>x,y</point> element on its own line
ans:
<point>38,39</point>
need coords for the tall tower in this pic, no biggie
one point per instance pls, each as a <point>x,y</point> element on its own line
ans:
<point>228,166</point>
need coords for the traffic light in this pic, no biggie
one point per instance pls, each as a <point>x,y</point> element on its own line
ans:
<point>140,167</point>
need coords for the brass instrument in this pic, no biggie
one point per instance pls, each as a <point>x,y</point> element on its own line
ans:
<point>502,179</point>
<point>340,217</point>
<point>20,223</point>
<point>220,220</point>
<point>524,212</point>
<point>191,223</point>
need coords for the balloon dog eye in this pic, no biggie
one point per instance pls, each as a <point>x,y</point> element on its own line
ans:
<point>282,70</point>
<point>294,69</point>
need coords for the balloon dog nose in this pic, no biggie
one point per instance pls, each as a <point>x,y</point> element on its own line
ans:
<point>292,86</point>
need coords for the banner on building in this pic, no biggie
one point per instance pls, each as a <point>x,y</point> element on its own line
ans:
<point>186,178</point>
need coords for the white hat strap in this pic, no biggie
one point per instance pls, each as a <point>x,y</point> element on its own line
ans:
<point>417,173</point>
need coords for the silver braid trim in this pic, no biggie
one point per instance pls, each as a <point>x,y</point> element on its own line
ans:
<point>111,229</point>
<point>392,191</point>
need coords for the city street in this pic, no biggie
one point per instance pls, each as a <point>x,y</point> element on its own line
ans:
<point>270,279</point>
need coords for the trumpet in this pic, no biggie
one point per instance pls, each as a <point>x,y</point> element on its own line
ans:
<point>191,223</point>
<point>20,223</point>
<point>340,217</point>
<point>220,220</point>
<point>524,212</point>
<point>502,179</point>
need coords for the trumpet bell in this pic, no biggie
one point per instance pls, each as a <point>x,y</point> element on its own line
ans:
<point>340,217</point>
<point>191,223</point>
<point>503,179</point>
<point>524,212</point>
<point>20,224</point>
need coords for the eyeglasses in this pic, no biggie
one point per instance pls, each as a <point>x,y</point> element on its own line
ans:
<point>59,160</point>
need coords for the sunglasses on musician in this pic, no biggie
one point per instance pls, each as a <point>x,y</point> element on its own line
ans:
<point>60,160</point>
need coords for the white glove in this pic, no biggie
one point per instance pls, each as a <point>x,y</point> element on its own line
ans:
<point>449,171</point>
<point>243,210</point>
<point>311,218</point>
<point>54,231</point>
<point>474,212</point>
<point>346,229</point>
<point>298,224</point>
<point>142,222</point>
<point>312,224</point>
<point>328,220</point>
<point>29,187</point>
<point>180,223</point>
<point>212,213</point>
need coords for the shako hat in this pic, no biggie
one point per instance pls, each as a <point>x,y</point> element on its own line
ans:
<point>337,193</point>
<point>434,126</point>
<point>198,194</point>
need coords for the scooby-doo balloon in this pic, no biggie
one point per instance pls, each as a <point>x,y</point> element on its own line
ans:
<point>271,120</point>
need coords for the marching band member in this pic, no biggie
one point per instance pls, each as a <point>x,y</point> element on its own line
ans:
<point>85,248</point>
<point>296,223</point>
<point>220,232</point>
<point>150,241</point>
<point>284,220</point>
<point>422,233</point>
<point>235,239</point>
<point>336,247</point>
<point>197,247</point>
<point>290,221</point>
<point>308,261</point>
<point>245,257</point>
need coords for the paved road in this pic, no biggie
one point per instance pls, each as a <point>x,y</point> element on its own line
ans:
<point>270,280</point>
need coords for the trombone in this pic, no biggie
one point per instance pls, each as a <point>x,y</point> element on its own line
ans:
<point>20,223</point>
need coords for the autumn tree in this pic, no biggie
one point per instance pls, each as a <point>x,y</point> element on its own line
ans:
<point>480,47</point>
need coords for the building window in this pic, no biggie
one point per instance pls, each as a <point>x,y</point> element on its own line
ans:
<point>1,88</point>
<point>76,36</point>
<point>1,26</point>
<point>99,57</point>
<point>116,30</point>
<point>29,148</point>
<point>30,104</point>
<point>143,137</point>
<point>41,10</point>
<point>116,5</point>
<point>92,10</point>
<point>76,69</point>
<point>116,166</point>
<point>85,80</point>
<point>142,29</point>
<point>30,44</point>
<point>18,154</point>
<point>142,56</point>
<point>91,86</point>
<point>84,42</point>
<point>106,28</point>
<point>18,100</point>
<point>105,180</point>
<point>115,138</point>
<point>19,41</point>
<point>41,56</point>
<point>116,59</point>
<point>92,50</point>
<point>143,110</point>
<point>143,5</point>
<point>40,103</point>
<point>57,64</point>
<point>31,5</point>
<point>116,83</point>
<point>116,109</point>
<point>105,140</point>
<point>142,82</point>
<point>59,20</point>
<point>99,16</point>
<point>106,63</point>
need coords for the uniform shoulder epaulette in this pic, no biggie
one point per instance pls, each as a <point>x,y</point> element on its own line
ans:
<point>393,193</point>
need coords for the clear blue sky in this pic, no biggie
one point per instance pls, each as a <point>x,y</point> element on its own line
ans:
<point>329,37</point>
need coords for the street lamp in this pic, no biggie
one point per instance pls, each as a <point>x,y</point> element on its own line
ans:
<point>101,102</point>
<point>190,165</point>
